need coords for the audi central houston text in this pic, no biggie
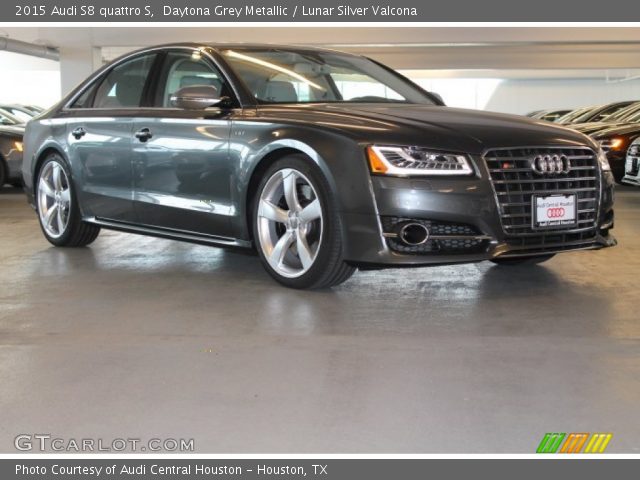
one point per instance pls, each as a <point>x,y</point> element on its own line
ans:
<point>324,162</point>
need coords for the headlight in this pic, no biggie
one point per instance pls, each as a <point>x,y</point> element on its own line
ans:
<point>617,143</point>
<point>416,161</point>
<point>604,163</point>
<point>19,146</point>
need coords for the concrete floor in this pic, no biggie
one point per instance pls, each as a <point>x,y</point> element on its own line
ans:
<point>139,337</point>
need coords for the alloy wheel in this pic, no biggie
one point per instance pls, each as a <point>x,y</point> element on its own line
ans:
<point>290,223</point>
<point>54,199</point>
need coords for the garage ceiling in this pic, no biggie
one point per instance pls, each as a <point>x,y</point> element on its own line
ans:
<point>432,48</point>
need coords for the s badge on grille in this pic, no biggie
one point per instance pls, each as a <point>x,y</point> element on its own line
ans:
<point>550,164</point>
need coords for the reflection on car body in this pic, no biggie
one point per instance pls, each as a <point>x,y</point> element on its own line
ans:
<point>324,162</point>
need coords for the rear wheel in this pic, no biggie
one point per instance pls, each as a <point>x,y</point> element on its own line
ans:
<point>57,206</point>
<point>296,226</point>
<point>522,260</point>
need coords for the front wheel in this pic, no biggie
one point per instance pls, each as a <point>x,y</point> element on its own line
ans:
<point>522,260</point>
<point>57,206</point>
<point>297,228</point>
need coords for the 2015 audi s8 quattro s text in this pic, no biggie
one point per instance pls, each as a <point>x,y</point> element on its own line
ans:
<point>324,162</point>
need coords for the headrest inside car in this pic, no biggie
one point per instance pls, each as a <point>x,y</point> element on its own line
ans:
<point>279,91</point>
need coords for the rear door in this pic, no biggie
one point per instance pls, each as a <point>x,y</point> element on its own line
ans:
<point>99,134</point>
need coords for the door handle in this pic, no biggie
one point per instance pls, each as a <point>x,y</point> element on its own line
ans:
<point>79,132</point>
<point>144,134</point>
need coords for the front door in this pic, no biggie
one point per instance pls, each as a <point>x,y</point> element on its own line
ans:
<point>181,167</point>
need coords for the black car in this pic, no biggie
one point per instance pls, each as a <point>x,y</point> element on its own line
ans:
<point>550,115</point>
<point>595,114</point>
<point>11,155</point>
<point>20,112</point>
<point>615,141</point>
<point>573,115</point>
<point>11,132</point>
<point>324,162</point>
<point>621,117</point>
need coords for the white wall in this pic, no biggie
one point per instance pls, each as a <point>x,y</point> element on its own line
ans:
<point>521,96</point>
<point>29,80</point>
<point>522,91</point>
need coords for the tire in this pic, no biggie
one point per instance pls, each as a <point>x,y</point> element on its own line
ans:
<point>58,198</point>
<point>522,260</point>
<point>313,226</point>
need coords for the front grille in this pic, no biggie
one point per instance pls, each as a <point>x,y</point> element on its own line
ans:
<point>445,238</point>
<point>515,183</point>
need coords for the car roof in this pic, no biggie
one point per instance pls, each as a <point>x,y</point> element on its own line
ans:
<point>242,46</point>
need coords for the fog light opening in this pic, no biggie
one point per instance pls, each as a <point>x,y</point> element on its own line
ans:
<point>414,233</point>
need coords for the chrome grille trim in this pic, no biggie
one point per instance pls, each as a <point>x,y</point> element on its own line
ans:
<point>514,184</point>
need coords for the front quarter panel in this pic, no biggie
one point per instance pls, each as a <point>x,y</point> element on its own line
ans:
<point>255,139</point>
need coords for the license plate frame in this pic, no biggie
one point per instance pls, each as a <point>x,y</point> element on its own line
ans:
<point>556,211</point>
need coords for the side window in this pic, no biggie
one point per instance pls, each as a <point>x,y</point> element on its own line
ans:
<point>84,100</point>
<point>183,69</point>
<point>123,86</point>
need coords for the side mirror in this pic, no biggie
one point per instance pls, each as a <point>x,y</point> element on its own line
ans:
<point>196,97</point>
<point>438,96</point>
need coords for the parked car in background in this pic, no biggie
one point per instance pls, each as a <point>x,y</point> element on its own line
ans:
<point>632,165</point>
<point>11,148</point>
<point>533,113</point>
<point>621,117</point>
<point>615,142</point>
<point>7,119</point>
<point>550,115</point>
<point>596,114</point>
<point>573,114</point>
<point>34,108</point>
<point>21,112</point>
<point>322,161</point>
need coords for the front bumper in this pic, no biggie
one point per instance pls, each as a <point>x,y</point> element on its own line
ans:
<point>469,207</point>
<point>632,171</point>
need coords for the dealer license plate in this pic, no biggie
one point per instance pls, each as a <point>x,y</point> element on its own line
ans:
<point>554,211</point>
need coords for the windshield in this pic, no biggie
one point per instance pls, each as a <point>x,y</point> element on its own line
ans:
<point>574,114</point>
<point>289,76</point>
<point>626,114</point>
<point>6,119</point>
<point>633,117</point>
<point>603,114</point>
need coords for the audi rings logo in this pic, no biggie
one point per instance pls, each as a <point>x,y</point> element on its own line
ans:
<point>551,164</point>
<point>556,212</point>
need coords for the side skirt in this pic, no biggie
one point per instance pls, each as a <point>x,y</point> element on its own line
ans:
<point>171,234</point>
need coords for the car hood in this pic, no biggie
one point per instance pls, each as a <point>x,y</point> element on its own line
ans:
<point>624,129</point>
<point>471,131</point>
<point>17,130</point>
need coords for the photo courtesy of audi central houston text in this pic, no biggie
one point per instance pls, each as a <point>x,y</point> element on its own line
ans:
<point>322,162</point>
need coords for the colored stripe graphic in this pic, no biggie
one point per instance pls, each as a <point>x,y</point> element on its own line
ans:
<point>574,443</point>
<point>598,443</point>
<point>550,442</point>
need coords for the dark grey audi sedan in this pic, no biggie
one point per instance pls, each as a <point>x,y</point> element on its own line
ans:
<point>324,162</point>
